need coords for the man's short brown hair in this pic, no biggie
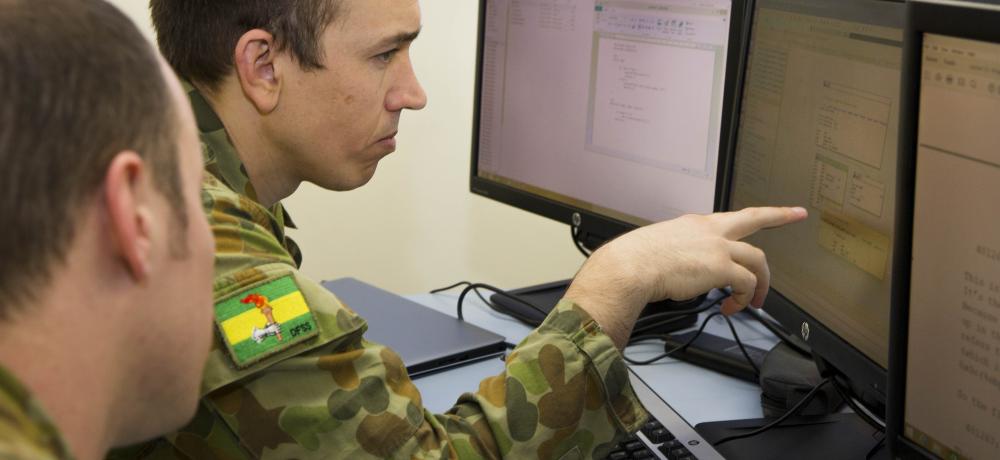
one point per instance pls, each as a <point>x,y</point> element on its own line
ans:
<point>78,84</point>
<point>198,37</point>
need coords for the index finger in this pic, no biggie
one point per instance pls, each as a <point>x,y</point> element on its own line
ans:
<point>741,224</point>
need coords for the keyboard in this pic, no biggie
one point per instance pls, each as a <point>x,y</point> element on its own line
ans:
<point>665,436</point>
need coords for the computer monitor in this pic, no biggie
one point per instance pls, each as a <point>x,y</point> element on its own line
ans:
<point>945,375</point>
<point>818,128</point>
<point>605,114</point>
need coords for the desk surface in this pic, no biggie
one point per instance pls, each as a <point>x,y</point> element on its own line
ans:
<point>697,394</point>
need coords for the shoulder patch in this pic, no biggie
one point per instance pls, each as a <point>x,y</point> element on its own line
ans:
<point>265,319</point>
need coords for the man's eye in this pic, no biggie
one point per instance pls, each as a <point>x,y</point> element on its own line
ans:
<point>387,56</point>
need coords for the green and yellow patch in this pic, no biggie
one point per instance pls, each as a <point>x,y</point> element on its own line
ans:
<point>263,320</point>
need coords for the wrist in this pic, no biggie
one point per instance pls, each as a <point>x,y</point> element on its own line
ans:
<point>606,312</point>
<point>611,294</point>
<point>616,271</point>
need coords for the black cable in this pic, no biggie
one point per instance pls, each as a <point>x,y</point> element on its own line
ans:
<point>647,323</point>
<point>756,370</point>
<point>673,317</point>
<point>453,286</point>
<point>650,322</point>
<point>671,351</point>
<point>729,322</point>
<point>848,396</point>
<point>778,331</point>
<point>874,450</point>
<point>574,232</point>
<point>636,339</point>
<point>664,323</point>
<point>465,283</point>
<point>795,409</point>
<point>500,292</point>
<point>643,324</point>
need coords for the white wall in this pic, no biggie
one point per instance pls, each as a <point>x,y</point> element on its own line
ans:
<point>138,10</point>
<point>416,226</point>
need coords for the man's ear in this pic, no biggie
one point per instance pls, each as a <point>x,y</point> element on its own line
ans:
<point>255,67</point>
<point>126,194</point>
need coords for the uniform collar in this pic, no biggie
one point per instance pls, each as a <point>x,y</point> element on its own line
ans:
<point>26,416</point>
<point>220,157</point>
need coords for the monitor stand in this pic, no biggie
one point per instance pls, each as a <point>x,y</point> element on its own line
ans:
<point>834,437</point>
<point>547,295</point>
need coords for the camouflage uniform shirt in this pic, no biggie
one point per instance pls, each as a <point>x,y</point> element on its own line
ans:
<point>564,393</point>
<point>26,433</point>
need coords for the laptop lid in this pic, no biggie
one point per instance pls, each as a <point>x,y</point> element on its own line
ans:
<point>427,340</point>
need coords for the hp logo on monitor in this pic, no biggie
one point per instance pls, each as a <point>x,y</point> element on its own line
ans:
<point>805,331</point>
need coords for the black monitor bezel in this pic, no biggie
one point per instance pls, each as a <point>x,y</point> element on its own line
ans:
<point>866,378</point>
<point>599,228</point>
<point>970,20</point>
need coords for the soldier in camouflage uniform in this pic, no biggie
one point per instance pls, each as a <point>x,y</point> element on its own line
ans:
<point>106,266</point>
<point>289,109</point>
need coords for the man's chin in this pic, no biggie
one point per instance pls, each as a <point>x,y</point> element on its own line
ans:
<point>357,180</point>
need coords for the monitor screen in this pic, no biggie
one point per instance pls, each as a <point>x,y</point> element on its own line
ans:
<point>818,129</point>
<point>952,399</point>
<point>609,106</point>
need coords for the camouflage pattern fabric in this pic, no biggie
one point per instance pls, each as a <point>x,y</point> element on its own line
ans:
<point>564,394</point>
<point>26,433</point>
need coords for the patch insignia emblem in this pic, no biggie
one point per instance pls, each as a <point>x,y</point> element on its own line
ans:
<point>266,319</point>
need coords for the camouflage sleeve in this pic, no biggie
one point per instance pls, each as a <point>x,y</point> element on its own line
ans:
<point>26,432</point>
<point>13,448</point>
<point>564,391</point>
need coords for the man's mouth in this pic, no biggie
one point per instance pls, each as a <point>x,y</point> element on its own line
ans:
<point>389,141</point>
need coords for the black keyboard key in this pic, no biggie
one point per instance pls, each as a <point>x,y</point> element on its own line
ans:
<point>634,446</point>
<point>651,425</point>
<point>644,454</point>
<point>618,455</point>
<point>678,453</point>
<point>669,446</point>
<point>660,435</point>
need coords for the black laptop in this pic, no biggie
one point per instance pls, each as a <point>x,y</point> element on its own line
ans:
<point>428,340</point>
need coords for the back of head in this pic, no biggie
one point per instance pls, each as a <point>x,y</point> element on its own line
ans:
<point>78,84</point>
<point>106,255</point>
